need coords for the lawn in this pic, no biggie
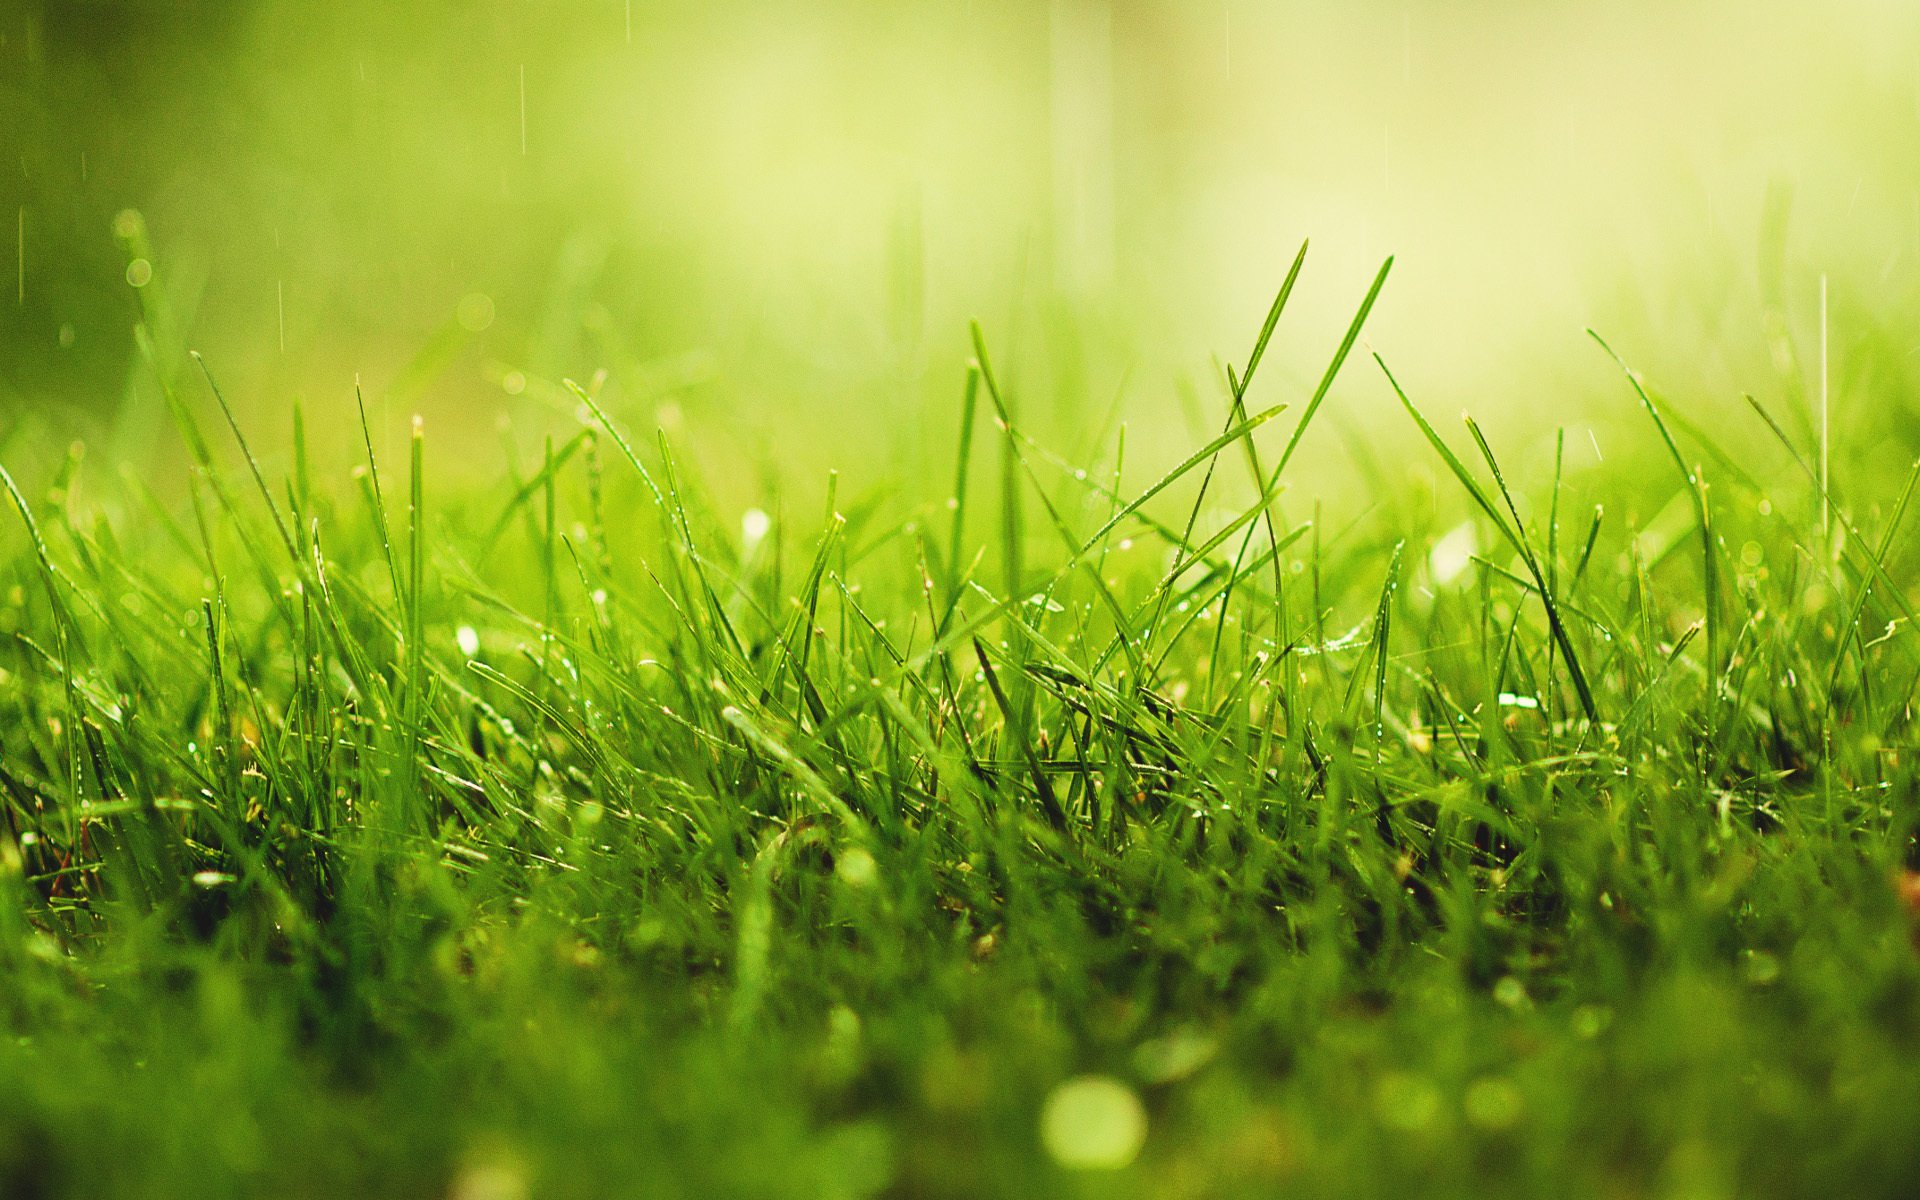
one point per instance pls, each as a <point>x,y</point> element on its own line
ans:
<point>824,600</point>
<point>1054,828</point>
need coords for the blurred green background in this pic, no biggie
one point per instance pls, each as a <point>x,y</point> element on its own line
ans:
<point>770,222</point>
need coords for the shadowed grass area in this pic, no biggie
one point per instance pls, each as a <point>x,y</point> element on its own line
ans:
<point>572,837</point>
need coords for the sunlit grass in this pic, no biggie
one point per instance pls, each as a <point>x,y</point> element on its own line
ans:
<point>1048,827</point>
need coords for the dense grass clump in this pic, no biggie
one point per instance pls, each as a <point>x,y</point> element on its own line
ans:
<point>1070,835</point>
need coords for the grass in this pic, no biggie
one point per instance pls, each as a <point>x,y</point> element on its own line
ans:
<point>570,838</point>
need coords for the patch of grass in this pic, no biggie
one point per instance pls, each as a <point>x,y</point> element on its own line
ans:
<point>1069,834</point>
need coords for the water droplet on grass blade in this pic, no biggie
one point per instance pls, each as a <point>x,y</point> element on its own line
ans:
<point>1175,1056</point>
<point>1591,1020</point>
<point>856,868</point>
<point>1093,1123</point>
<point>1493,1103</point>
<point>1759,968</point>
<point>474,312</point>
<point>754,526</point>
<point>504,1180</point>
<point>1453,553</point>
